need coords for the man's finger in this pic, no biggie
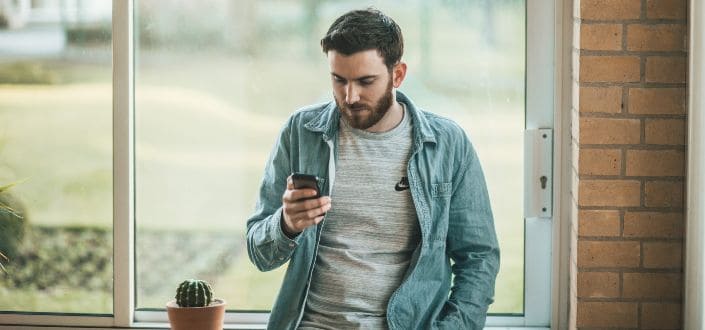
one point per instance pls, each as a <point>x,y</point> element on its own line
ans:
<point>314,213</point>
<point>299,194</point>
<point>300,223</point>
<point>316,202</point>
<point>307,213</point>
<point>304,205</point>
<point>295,195</point>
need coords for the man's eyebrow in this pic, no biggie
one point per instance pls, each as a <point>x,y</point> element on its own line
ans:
<point>371,76</point>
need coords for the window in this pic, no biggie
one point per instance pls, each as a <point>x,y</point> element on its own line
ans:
<point>213,82</point>
<point>56,145</point>
<point>211,98</point>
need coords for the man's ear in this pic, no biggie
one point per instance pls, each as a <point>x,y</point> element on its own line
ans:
<point>398,74</point>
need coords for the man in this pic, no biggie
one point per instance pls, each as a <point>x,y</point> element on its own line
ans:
<point>404,204</point>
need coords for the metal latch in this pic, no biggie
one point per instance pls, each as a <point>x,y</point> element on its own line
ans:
<point>538,173</point>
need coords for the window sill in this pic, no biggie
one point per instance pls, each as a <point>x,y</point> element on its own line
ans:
<point>160,326</point>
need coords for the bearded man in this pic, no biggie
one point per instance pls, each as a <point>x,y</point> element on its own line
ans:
<point>401,234</point>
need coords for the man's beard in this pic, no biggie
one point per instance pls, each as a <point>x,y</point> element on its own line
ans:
<point>352,115</point>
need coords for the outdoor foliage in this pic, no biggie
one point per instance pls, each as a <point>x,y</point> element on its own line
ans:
<point>12,224</point>
<point>81,257</point>
<point>53,257</point>
<point>26,72</point>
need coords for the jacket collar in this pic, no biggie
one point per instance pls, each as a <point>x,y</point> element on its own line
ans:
<point>327,121</point>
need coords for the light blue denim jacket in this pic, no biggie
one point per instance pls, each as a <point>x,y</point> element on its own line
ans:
<point>453,208</point>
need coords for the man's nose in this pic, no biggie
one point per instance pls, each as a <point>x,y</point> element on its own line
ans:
<point>352,95</point>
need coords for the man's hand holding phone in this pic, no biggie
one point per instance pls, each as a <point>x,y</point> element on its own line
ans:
<point>302,204</point>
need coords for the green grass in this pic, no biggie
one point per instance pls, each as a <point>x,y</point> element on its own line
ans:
<point>57,300</point>
<point>244,287</point>
<point>62,148</point>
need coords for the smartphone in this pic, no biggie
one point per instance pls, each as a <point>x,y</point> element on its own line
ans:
<point>306,181</point>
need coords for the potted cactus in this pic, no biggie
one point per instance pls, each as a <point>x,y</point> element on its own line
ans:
<point>195,307</point>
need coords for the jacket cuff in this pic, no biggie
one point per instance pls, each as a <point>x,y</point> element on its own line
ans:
<point>284,243</point>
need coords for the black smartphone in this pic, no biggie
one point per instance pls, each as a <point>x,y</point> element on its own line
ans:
<point>306,181</point>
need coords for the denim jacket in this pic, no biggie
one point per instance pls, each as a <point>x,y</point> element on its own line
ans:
<point>452,205</point>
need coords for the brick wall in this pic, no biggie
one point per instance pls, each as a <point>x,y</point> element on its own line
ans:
<point>628,143</point>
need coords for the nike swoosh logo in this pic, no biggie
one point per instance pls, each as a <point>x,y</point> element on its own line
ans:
<point>402,185</point>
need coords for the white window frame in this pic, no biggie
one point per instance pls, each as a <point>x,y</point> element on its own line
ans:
<point>694,297</point>
<point>542,19</point>
<point>545,66</point>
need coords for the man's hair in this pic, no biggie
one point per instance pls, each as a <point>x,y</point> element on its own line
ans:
<point>360,30</point>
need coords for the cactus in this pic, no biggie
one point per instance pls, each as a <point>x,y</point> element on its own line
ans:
<point>194,293</point>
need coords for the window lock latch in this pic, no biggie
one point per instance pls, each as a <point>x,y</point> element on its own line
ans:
<point>538,195</point>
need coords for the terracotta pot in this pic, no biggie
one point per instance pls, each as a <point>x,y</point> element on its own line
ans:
<point>196,318</point>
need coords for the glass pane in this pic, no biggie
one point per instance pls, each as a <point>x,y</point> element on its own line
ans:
<point>216,81</point>
<point>56,144</point>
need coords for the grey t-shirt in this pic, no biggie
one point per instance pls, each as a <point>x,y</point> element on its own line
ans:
<point>369,234</point>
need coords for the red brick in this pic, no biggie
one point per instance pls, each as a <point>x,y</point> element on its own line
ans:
<point>661,315</point>
<point>601,36</point>
<point>652,285</point>
<point>666,69</point>
<point>609,131</point>
<point>653,225</point>
<point>663,255</point>
<point>655,163</point>
<point>609,193</point>
<point>609,69</point>
<point>608,254</point>
<point>598,223</point>
<point>665,131</point>
<point>610,9</point>
<point>666,9</point>
<point>607,314</point>
<point>663,194</point>
<point>598,285</point>
<point>659,37</point>
<point>655,101</point>
<point>600,161</point>
<point>601,99</point>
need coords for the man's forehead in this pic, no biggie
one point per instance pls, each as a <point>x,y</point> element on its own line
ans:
<point>362,63</point>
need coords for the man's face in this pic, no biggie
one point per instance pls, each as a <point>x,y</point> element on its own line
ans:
<point>362,87</point>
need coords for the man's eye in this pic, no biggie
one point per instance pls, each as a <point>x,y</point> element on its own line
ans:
<point>366,82</point>
<point>338,80</point>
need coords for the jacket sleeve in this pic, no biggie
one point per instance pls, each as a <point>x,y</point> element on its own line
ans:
<point>473,248</point>
<point>267,245</point>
